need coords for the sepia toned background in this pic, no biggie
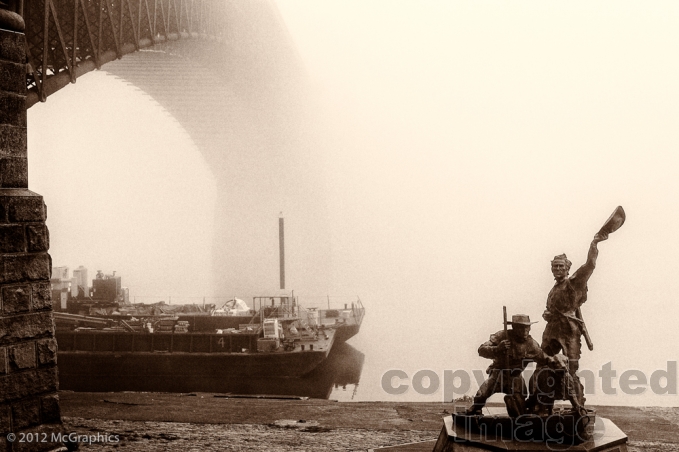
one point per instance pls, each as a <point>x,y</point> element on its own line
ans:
<point>456,148</point>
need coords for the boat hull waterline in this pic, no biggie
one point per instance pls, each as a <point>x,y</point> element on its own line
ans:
<point>138,361</point>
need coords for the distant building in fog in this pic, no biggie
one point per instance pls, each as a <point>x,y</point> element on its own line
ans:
<point>60,274</point>
<point>80,281</point>
<point>60,284</point>
<point>107,288</point>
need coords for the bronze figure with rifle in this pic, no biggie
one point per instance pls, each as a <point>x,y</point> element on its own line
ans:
<point>511,351</point>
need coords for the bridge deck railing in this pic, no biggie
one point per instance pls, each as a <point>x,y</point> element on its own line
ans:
<point>67,38</point>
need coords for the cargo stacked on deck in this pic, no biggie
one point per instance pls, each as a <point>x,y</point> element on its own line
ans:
<point>265,344</point>
<point>182,326</point>
<point>115,329</point>
<point>166,325</point>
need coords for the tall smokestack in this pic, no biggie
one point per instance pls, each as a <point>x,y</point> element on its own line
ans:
<point>281,248</point>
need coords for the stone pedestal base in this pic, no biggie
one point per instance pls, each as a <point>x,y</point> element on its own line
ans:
<point>565,427</point>
<point>606,438</point>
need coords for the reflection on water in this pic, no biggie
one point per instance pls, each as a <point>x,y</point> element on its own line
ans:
<point>341,369</point>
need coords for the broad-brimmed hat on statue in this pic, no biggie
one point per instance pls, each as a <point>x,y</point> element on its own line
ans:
<point>521,319</point>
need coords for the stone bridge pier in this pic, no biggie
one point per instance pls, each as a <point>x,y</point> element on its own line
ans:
<point>28,367</point>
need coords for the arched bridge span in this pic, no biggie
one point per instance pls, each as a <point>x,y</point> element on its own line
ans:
<point>263,155</point>
<point>67,38</point>
<point>230,74</point>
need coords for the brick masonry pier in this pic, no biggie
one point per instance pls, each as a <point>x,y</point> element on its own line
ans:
<point>28,366</point>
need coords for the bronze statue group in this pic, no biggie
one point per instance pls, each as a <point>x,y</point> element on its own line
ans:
<point>557,357</point>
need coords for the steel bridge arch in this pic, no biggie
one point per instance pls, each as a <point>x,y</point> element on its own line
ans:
<point>236,85</point>
<point>68,38</point>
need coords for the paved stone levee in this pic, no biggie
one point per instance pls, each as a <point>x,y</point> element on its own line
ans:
<point>203,422</point>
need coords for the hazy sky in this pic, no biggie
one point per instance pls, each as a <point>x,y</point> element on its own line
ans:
<point>125,187</point>
<point>466,143</point>
<point>473,141</point>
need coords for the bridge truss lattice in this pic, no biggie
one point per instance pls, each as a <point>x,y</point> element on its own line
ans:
<point>67,38</point>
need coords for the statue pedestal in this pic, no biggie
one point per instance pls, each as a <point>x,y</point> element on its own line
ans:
<point>454,437</point>
<point>457,436</point>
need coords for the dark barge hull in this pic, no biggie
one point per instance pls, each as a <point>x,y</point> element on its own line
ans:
<point>346,332</point>
<point>342,367</point>
<point>171,362</point>
<point>106,371</point>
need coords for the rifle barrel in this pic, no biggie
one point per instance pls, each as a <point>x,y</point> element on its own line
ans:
<point>583,329</point>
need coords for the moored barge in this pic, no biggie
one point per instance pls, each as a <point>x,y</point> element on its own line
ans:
<point>288,343</point>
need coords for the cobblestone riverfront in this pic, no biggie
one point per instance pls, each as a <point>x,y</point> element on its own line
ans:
<point>202,422</point>
<point>179,436</point>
